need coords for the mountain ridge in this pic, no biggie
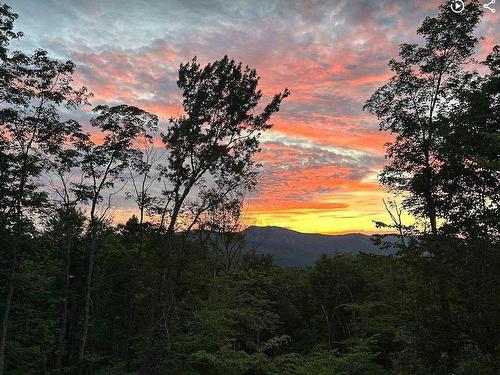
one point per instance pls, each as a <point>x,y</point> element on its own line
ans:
<point>291,248</point>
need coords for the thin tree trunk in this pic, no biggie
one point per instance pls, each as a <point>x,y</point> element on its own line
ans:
<point>61,340</point>
<point>133,290</point>
<point>155,297</point>
<point>442,284</point>
<point>328,326</point>
<point>16,260</point>
<point>5,318</point>
<point>157,288</point>
<point>86,308</point>
<point>44,361</point>
<point>131,314</point>
<point>155,301</point>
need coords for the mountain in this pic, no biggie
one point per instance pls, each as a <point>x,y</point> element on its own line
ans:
<point>294,249</point>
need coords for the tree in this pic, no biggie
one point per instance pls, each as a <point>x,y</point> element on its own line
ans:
<point>471,184</point>
<point>7,18</point>
<point>144,173</point>
<point>65,230</point>
<point>470,151</point>
<point>210,148</point>
<point>222,228</point>
<point>65,225</point>
<point>102,166</point>
<point>412,106</point>
<point>33,90</point>
<point>444,116</point>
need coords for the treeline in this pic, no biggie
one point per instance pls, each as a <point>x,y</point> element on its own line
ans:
<point>171,292</point>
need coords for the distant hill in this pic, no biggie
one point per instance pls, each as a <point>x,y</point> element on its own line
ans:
<point>295,249</point>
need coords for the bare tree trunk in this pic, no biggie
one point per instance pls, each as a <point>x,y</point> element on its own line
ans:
<point>5,318</point>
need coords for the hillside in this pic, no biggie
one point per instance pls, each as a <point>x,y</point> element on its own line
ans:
<point>295,249</point>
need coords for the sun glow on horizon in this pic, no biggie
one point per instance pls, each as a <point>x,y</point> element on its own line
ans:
<point>321,158</point>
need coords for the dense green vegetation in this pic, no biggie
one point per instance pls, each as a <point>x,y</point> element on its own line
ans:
<point>171,292</point>
<point>346,315</point>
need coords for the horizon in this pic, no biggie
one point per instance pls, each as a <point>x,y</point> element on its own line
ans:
<point>321,159</point>
<point>222,204</point>
<point>322,234</point>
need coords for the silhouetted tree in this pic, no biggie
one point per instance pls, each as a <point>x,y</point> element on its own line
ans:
<point>413,106</point>
<point>102,166</point>
<point>33,90</point>
<point>65,226</point>
<point>210,151</point>
<point>444,116</point>
<point>144,173</point>
<point>222,228</point>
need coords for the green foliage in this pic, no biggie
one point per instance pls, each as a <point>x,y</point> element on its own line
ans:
<point>147,297</point>
<point>477,366</point>
<point>356,362</point>
<point>442,108</point>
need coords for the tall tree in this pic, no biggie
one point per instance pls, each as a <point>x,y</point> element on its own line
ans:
<point>211,152</point>
<point>444,116</point>
<point>144,173</point>
<point>34,88</point>
<point>65,225</point>
<point>102,166</point>
<point>7,18</point>
<point>413,104</point>
<point>470,152</point>
<point>471,212</point>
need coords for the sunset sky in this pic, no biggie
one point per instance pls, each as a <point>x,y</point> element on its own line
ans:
<point>322,157</point>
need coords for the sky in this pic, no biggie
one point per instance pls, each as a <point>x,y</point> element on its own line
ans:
<point>321,158</point>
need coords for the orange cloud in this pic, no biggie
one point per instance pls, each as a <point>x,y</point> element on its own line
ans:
<point>321,159</point>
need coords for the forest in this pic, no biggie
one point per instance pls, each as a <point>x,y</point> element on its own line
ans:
<point>171,291</point>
